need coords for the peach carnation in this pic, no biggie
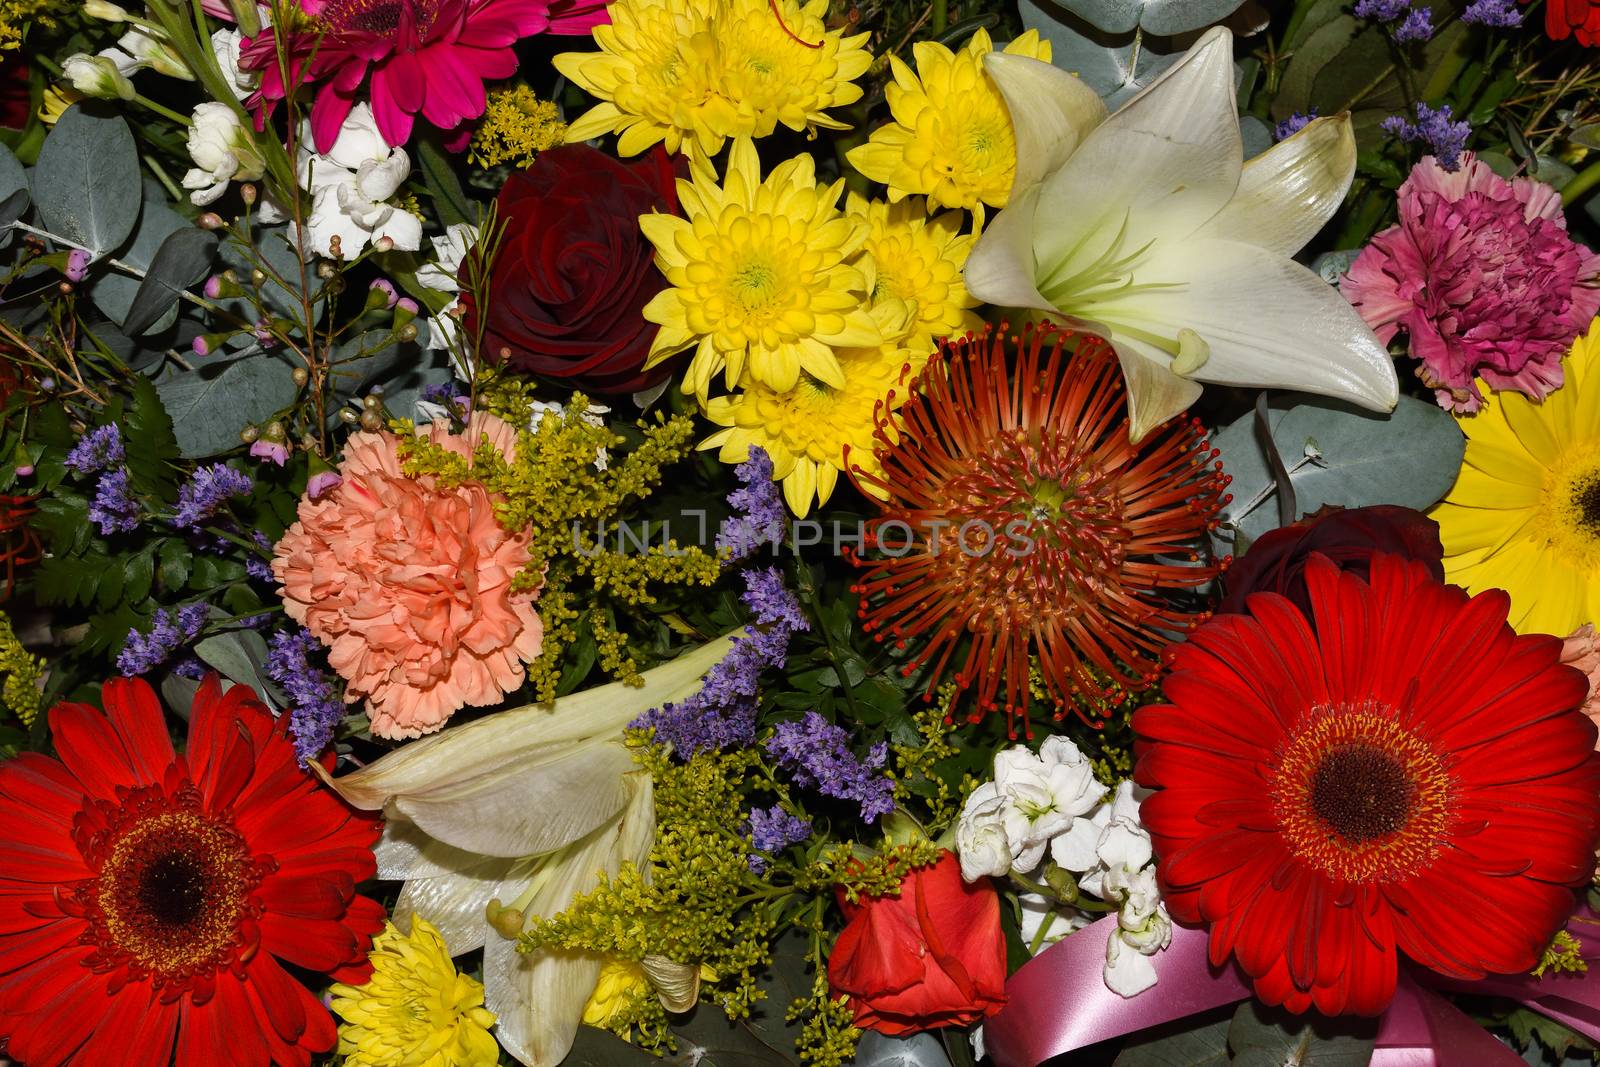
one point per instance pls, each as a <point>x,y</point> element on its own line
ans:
<point>1582,650</point>
<point>409,584</point>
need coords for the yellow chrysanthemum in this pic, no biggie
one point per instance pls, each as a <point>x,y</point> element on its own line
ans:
<point>918,260</point>
<point>56,100</point>
<point>693,73</point>
<point>622,987</point>
<point>415,1010</point>
<point>1524,514</point>
<point>761,275</point>
<point>951,138</point>
<point>808,429</point>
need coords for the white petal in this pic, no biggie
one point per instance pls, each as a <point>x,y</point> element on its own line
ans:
<point>539,997</point>
<point>1270,322</point>
<point>1168,160</point>
<point>676,984</point>
<point>403,228</point>
<point>379,179</point>
<point>1051,112</point>
<point>492,752</point>
<point>1155,394</point>
<point>1127,972</point>
<point>1000,268</point>
<point>1290,191</point>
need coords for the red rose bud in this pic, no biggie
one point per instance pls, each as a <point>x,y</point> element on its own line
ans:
<point>932,957</point>
<point>567,289</point>
<point>1348,537</point>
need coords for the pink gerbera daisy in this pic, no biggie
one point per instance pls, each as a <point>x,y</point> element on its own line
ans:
<point>427,57</point>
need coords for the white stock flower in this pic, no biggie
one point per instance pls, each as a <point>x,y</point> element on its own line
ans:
<point>223,150</point>
<point>1077,850</point>
<point>351,186</point>
<point>1044,795</point>
<point>442,275</point>
<point>1143,929</point>
<point>226,44</point>
<point>981,841</point>
<point>101,76</point>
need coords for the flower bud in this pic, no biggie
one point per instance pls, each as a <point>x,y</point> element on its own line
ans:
<point>107,12</point>
<point>381,294</point>
<point>247,193</point>
<point>371,420</point>
<point>97,76</point>
<point>407,333</point>
<point>209,221</point>
<point>383,244</point>
<point>77,265</point>
<point>25,470</point>
<point>347,416</point>
<point>249,434</point>
<point>258,277</point>
<point>301,376</point>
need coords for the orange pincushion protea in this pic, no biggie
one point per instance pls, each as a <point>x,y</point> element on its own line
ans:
<point>1019,523</point>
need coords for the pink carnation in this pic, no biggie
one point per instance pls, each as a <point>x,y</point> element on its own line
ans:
<point>1482,276</point>
<point>409,584</point>
<point>421,57</point>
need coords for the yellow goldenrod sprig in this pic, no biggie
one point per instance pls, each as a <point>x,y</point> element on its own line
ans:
<point>23,672</point>
<point>515,128</point>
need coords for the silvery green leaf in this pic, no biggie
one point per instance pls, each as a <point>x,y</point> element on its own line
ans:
<point>1193,1042</point>
<point>183,259</point>
<point>1409,456</point>
<point>14,195</point>
<point>211,403</point>
<point>1256,135</point>
<point>113,292</point>
<point>918,1050</point>
<point>1331,266</point>
<point>1162,17</point>
<point>1270,1037</point>
<point>1114,65</point>
<point>86,183</point>
<point>239,655</point>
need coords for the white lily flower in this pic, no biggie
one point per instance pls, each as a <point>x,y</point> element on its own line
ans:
<point>526,807</point>
<point>1148,229</point>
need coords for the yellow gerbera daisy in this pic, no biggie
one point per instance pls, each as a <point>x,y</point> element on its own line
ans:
<point>692,73</point>
<point>761,275</point>
<point>1524,514</point>
<point>809,430</point>
<point>917,259</point>
<point>416,1009</point>
<point>951,138</point>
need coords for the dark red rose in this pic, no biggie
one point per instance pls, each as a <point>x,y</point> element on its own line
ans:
<point>1276,563</point>
<point>16,93</point>
<point>934,956</point>
<point>573,273</point>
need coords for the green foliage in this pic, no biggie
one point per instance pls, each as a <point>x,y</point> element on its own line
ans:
<point>86,184</point>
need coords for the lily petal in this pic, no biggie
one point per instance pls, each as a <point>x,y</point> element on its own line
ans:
<point>1051,112</point>
<point>453,890</point>
<point>1290,191</point>
<point>677,985</point>
<point>1155,394</point>
<point>1269,322</point>
<point>1167,160</point>
<point>539,996</point>
<point>1000,269</point>
<point>528,780</point>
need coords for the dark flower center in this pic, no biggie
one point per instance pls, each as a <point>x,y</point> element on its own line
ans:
<point>378,18</point>
<point>172,889</point>
<point>1587,503</point>
<point>1362,792</point>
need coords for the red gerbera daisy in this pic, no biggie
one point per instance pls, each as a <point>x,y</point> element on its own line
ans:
<point>146,898</point>
<point>1020,521</point>
<point>1407,771</point>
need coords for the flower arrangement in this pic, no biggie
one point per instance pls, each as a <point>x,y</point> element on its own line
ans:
<point>954,533</point>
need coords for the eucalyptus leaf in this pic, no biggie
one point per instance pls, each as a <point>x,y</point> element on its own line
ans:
<point>210,404</point>
<point>1409,456</point>
<point>14,195</point>
<point>183,259</point>
<point>86,183</point>
<point>601,1048</point>
<point>274,255</point>
<point>114,292</point>
<point>1115,65</point>
<point>918,1050</point>
<point>1269,1037</point>
<point>1153,16</point>
<point>1192,1042</point>
<point>239,655</point>
<point>1331,266</point>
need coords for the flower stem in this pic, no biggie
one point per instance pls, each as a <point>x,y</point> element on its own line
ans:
<point>941,16</point>
<point>1582,182</point>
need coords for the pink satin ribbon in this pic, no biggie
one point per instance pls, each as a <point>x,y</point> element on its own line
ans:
<point>1058,1002</point>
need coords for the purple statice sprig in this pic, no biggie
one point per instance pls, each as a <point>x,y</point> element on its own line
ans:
<point>315,706</point>
<point>817,755</point>
<point>205,492</point>
<point>144,652</point>
<point>1502,14</point>
<point>114,508</point>
<point>1415,23</point>
<point>1293,125</point>
<point>722,714</point>
<point>99,449</point>
<point>771,831</point>
<point>1417,26</point>
<point>759,516</point>
<point>1445,139</point>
